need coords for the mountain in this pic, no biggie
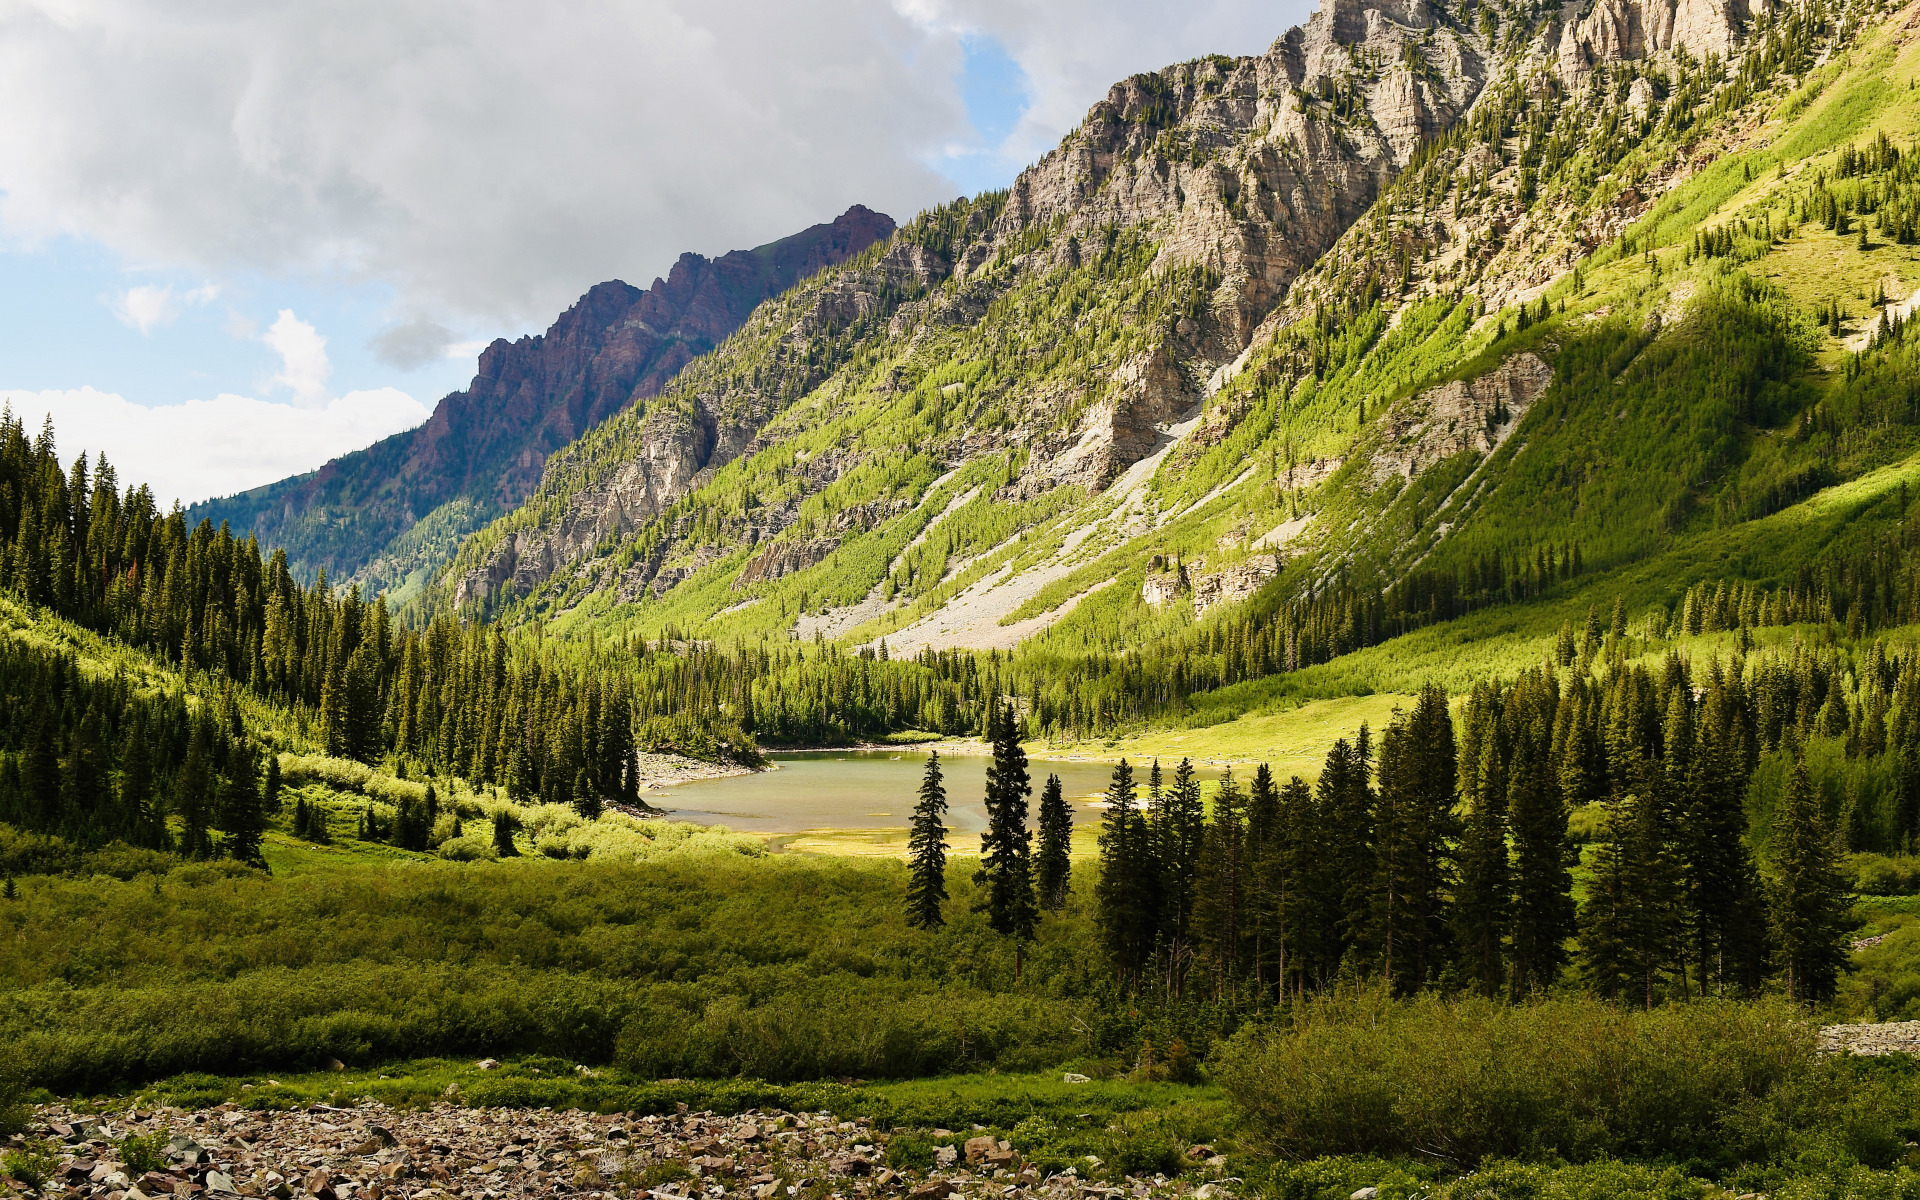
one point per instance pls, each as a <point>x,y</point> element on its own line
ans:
<point>1258,327</point>
<point>381,515</point>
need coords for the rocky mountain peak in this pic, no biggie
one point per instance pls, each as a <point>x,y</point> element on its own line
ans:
<point>484,448</point>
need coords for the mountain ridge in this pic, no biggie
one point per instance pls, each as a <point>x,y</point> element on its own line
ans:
<point>483,448</point>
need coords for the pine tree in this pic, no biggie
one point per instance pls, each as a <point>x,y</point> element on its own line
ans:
<point>1308,909</point>
<point>1809,894</point>
<point>1345,799</point>
<point>586,799</point>
<point>9,891</point>
<point>1630,930</point>
<point>270,792</point>
<point>40,773</point>
<point>1055,862</point>
<point>503,835</point>
<point>1171,861</point>
<point>927,851</point>
<point>241,818</point>
<point>1006,866</point>
<point>1543,909</point>
<point>1483,903</point>
<point>1220,882</point>
<point>146,827</point>
<point>193,794</point>
<point>1725,905</point>
<point>1264,879</point>
<point>1124,897</point>
<point>1407,925</point>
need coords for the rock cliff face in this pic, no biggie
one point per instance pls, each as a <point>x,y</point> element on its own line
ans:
<point>1475,415</point>
<point>489,443</point>
<point>1241,171</point>
<point>1621,30</point>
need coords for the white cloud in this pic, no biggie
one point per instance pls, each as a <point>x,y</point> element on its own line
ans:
<point>147,307</point>
<point>489,161</point>
<point>303,358</point>
<point>205,448</point>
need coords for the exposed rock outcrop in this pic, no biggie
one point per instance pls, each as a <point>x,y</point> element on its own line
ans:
<point>1476,414</point>
<point>1614,31</point>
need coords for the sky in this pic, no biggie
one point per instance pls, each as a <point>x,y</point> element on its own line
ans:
<point>241,237</point>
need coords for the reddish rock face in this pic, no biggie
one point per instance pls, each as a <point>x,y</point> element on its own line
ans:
<point>616,345</point>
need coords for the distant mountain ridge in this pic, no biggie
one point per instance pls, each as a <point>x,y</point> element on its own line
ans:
<point>383,515</point>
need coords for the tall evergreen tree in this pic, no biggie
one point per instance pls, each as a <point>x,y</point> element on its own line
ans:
<point>1171,863</point>
<point>1125,901</point>
<point>1810,901</point>
<point>1006,860</point>
<point>1407,925</point>
<point>1630,930</point>
<point>146,826</point>
<point>927,851</point>
<point>1345,800</point>
<point>1221,882</point>
<point>1543,910</point>
<point>40,771</point>
<point>1265,879</point>
<point>240,815</point>
<point>1483,903</point>
<point>1308,907</point>
<point>193,794</point>
<point>503,843</point>
<point>1055,862</point>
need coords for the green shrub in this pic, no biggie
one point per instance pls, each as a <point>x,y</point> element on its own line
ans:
<point>1884,875</point>
<point>32,1164</point>
<point>15,1111</point>
<point>143,1154</point>
<point>1459,1081</point>
<point>908,1153</point>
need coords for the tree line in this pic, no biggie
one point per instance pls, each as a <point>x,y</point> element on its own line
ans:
<point>1441,856</point>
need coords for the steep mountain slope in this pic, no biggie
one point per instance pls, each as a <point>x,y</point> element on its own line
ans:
<point>380,515</point>
<point>1068,318</point>
<point>1423,312</point>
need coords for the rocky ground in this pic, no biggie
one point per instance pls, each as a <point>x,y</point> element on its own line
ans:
<point>1889,1037</point>
<point>372,1152</point>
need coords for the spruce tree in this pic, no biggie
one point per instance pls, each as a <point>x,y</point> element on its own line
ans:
<point>146,827</point>
<point>1264,879</point>
<point>1220,882</point>
<point>1308,911</point>
<point>1124,899</point>
<point>241,818</point>
<point>1543,909</point>
<point>1809,894</point>
<point>1630,930</point>
<point>270,791</point>
<point>40,773</point>
<point>1483,902</point>
<point>1171,863</point>
<point>1407,925</point>
<point>1006,864</point>
<point>193,795</point>
<point>83,782</point>
<point>1345,800</point>
<point>927,851</point>
<point>1055,861</point>
<point>503,835</point>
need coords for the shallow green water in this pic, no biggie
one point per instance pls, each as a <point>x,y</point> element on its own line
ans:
<point>860,789</point>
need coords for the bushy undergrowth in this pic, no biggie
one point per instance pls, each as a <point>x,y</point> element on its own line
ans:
<point>694,965</point>
<point>1459,1081</point>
